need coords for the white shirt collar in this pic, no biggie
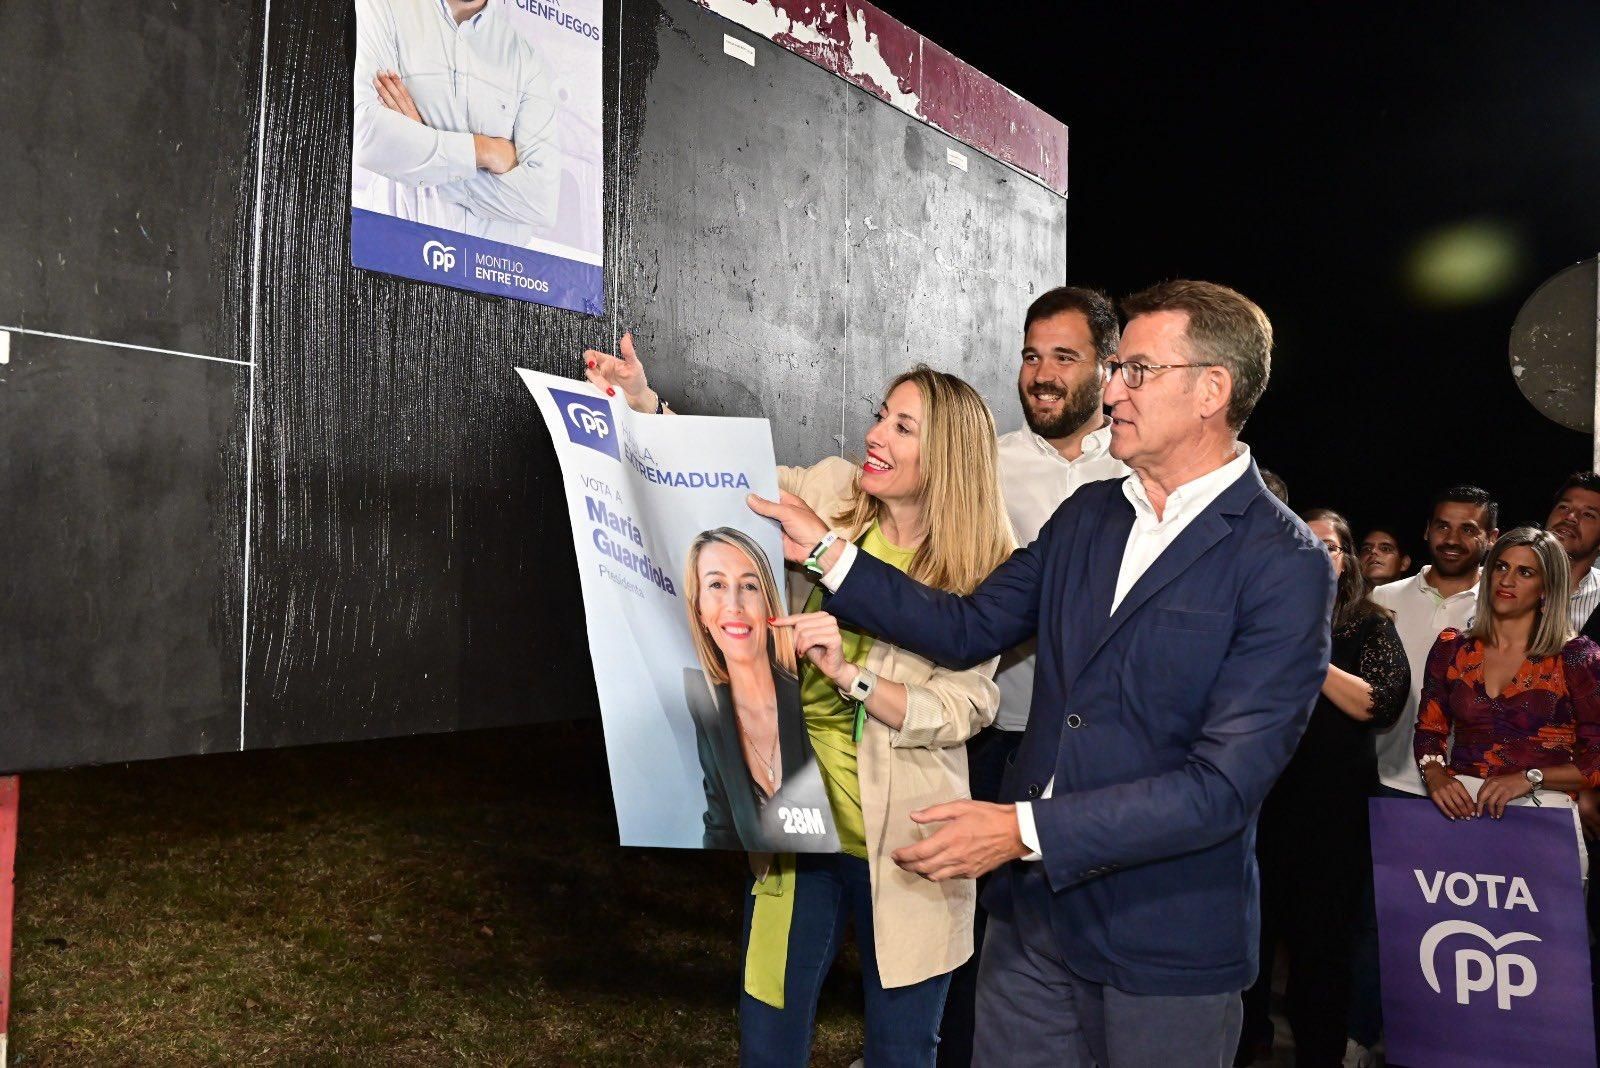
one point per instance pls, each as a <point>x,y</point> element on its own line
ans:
<point>1189,497</point>
<point>473,22</point>
<point>1587,584</point>
<point>1424,586</point>
<point>1095,444</point>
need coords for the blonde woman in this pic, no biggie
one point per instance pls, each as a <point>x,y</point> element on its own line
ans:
<point>889,728</point>
<point>754,754</point>
<point>1510,710</point>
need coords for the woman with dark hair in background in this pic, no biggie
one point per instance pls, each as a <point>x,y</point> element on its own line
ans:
<point>1510,709</point>
<point>1312,839</point>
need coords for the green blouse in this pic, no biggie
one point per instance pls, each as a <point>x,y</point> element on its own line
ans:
<point>831,723</point>
<point>831,718</point>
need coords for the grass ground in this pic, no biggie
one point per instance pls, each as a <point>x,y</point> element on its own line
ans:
<point>425,901</point>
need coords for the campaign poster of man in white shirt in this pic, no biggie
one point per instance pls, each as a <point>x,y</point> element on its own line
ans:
<point>476,149</point>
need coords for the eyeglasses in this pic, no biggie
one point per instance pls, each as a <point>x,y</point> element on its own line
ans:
<point>1133,373</point>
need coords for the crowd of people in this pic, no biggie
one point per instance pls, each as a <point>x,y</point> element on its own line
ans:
<point>1186,676</point>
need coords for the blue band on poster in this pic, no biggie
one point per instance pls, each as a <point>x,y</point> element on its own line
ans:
<point>445,257</point>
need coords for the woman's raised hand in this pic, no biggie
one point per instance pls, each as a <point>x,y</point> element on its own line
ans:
<point>622,372</point>
<point>817,638</point>
<point>802,527</point>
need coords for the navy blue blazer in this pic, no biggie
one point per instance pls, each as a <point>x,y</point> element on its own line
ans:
<point>1164,724</point>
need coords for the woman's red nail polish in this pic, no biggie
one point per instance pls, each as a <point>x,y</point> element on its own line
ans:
<point>610,392</point>
<point>771,620</point>
<point>591,365</point>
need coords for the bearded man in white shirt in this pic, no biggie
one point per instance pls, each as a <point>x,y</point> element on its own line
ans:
<point>455,117</point>
<point>1461,527</point>
<point>1068,335</point>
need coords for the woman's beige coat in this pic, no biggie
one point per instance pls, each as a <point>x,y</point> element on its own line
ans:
<point>920,928</point>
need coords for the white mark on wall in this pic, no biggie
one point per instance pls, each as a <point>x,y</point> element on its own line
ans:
<point>118,344</point>
<point>958,160</point>
<point>743,51</point>
<point>5,346</point>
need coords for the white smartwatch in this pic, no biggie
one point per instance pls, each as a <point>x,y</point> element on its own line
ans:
<point>861,689</point>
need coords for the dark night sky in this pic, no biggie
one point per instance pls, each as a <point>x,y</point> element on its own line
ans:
<point>1302,155</point>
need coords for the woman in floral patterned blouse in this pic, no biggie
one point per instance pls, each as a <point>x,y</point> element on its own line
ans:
<point>1510,708</point>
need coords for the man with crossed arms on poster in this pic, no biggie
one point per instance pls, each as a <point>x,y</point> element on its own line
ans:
<point>1182,619</point>
<point>454,114</point>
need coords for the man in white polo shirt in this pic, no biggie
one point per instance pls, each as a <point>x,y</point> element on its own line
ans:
<point>1461,527</point>
<point>1068,334</point>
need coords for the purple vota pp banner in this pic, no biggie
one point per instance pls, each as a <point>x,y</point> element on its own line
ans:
<point>1482,938</point>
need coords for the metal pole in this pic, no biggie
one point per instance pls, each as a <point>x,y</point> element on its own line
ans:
<point>9,790</point>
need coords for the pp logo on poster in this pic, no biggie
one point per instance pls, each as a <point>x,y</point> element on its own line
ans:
<point>588,421</point>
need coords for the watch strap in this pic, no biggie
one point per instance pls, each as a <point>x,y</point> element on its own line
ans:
<point>862,687</point>
<point>814,559</point>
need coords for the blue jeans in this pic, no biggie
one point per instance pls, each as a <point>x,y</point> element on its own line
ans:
<point>902,1023</point>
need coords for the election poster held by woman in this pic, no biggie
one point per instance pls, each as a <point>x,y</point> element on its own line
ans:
<point>699,692</point>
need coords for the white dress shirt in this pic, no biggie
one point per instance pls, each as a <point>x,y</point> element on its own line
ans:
<point>1034,480</point>
<point>1420,613</point>
<point>479,77</point>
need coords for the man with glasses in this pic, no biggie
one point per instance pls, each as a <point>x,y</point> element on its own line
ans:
<point>1182,624</point>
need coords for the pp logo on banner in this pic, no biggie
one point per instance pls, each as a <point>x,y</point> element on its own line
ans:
<point>1507,975</point>
<point>1481,935</point>
<point>439,256</point>
<point>588,421</point>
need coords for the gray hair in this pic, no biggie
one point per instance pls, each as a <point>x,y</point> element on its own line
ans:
<point>1225,327</point>
<point>1553,626</point>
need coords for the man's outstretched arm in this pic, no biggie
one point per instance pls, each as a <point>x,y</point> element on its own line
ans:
<point>957,632</point>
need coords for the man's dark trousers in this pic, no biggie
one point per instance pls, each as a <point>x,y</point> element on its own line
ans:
<point>1161,718</point>
<point>986,766</point>
<point>1034,1011</point>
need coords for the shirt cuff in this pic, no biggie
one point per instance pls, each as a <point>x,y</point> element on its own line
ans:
<point>1029,833</point>
<point>834,577</point>
<point>461,153</point>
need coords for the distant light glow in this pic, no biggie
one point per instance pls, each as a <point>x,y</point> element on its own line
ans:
<point>1466,262</point>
